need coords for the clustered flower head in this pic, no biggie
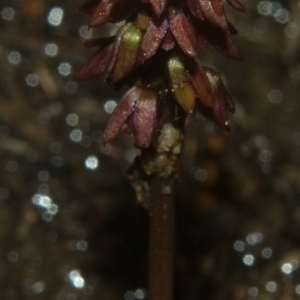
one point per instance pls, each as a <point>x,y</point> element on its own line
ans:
<point>154,52</point>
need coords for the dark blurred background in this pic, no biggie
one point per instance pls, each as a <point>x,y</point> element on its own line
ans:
<point>69,224</point>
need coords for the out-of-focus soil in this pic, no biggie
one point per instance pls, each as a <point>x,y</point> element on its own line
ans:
<point>70,227</point>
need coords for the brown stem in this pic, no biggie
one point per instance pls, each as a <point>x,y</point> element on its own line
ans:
<point>153,177</point>
<point>161,239</point>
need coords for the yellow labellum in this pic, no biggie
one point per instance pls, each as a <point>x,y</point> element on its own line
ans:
<point>181,86</point>
<point>126,57</point>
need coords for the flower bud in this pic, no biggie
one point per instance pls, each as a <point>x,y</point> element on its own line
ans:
<point>183,33</point>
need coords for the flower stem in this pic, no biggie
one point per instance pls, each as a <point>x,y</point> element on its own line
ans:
<point>153,176</point>
<point>161,239</point>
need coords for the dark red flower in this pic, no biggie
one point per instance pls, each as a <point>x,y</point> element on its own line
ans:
<point>161,37</point>
<point>191,84</point>
<point>135,114</point>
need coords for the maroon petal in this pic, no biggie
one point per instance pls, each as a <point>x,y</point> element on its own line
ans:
<point>210,37</point>
<point>103,13</point>
<point>96,66</point>
<point>220,115</point>
<point>231,49</point>
<point>195,9</point>
<point>222,92</point>
<point>236,4</point>
<point>201,85</point>
<point>205,43</point>
<point>158,6</point>
<point>183,33</point>
<point>145,118</point>
<point>152,39</point>
<point>120,115</point>
<point>222,102</point>
<point>213,11</point>
<point>109,11</point>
